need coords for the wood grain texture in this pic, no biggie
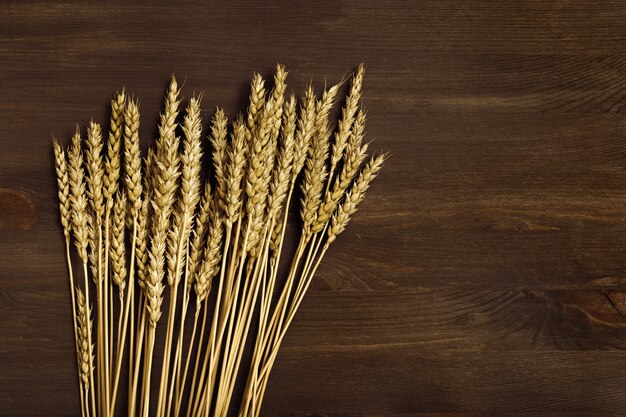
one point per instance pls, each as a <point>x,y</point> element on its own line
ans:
<point>484,274</point>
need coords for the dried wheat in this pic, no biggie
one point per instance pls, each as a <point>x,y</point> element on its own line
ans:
<point>218,143</point>
<point>112,162</point>
<point>257,101</point>
<point>211,260</point>
<point>198,235</point>
<point>63,182</point>
<point>284,170</point>
<point>306,129</point>
<point>84,326</point>
<point>118,248</point>
<point>95,169</point>
<point>132,159</point>
<point>77,197</point>
<point>354,155</point>
<point>347,117</point>
<point>356,194</point>
<point>141,249</point>
<point>315,170</point>
<point>235,171</point>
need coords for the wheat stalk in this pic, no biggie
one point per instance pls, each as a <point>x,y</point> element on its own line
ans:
<point>190,194</point>
<point>165,185</point>
<point>79,224</point>
<point>164,193</point>
<point>65,209</point>
<point>137,189</point>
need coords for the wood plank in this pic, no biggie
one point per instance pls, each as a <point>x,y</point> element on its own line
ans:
<point>384,379</point>
<point>337,313</point>
<point>523,27</point>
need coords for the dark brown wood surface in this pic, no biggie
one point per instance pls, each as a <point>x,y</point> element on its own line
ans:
<point>485,272</point>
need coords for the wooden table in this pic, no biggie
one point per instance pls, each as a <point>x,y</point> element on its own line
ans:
<point>484,273</point>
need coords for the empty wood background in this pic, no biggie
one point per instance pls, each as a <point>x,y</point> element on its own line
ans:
<point>484,274</point>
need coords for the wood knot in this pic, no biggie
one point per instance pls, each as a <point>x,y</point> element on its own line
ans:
<point>17,212</point>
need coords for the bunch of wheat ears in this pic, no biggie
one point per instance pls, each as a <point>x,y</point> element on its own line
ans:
<point>144,224</point>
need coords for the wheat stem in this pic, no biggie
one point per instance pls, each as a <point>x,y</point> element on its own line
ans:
<point>126,313</point>
<point>140,339</point>
<point>181,333</point>
<point>244,320</point>
<point>230,317</point>
<point>146,400</point>
<point>193,400</point>
<point>180,392</point>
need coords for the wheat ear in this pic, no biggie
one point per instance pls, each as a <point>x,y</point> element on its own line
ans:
<point>118,247</point>
<point>236,167</point>
<point>198,235</point>
<point>63,182</point>
<point>217,138</point>
<point>315,170</point>
<point>95,168</point>
<point>132,159</point>
<point>283,171</point>
<point>211,260</point>
<point>85,350</point>
<point>277,98</point>
<point>356,194</point>
<point>347,118</point>
<point>112,162</point>
<point>78,198</point>
<point>257,101</point>
<point>305,131</point>
<point>262,151</point>
<point>354,155</point>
